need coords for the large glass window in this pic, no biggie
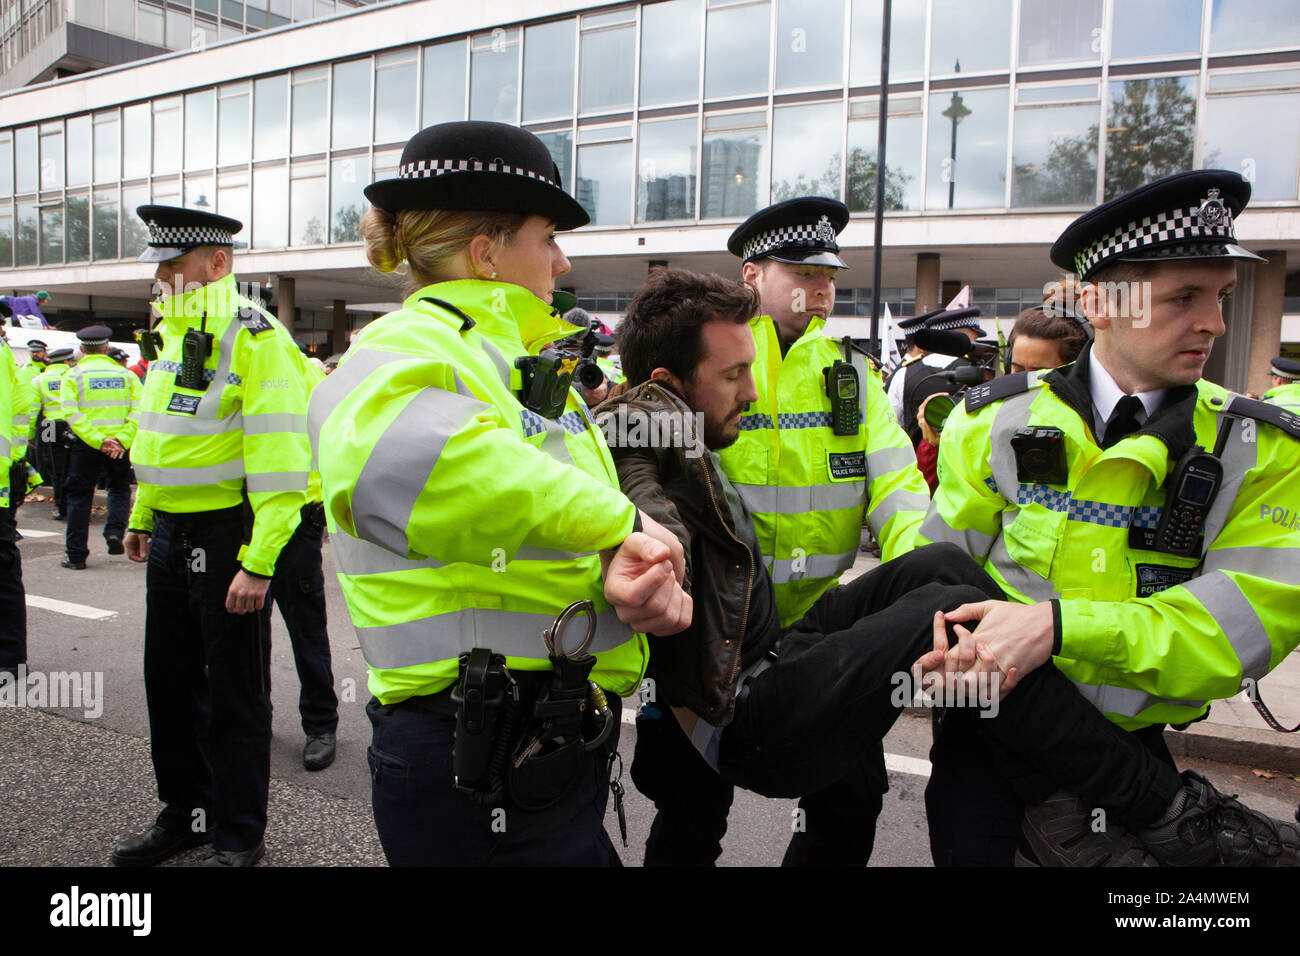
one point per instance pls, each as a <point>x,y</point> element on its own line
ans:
<point>149,24</point>
<point>733,178</point>
<point>809,43</point>
<point>966,167</point>
<point>670,52</point>
<point>736,50</point>
<point>1253,25</point>
<point>307,204</point>
<point>270,117</point>
<point>178,30</point>
<point>666,167</point>
<point>956,22</point>
<point>51,155</point>
<point>27,161</point>
<point>310,110</point>
<point>1258,136</point>
<point>200,129</point>
<point>270,207</point>
<point>51,235</point>
<point>444,83</point>
<point>548,70</point>
<point>78,151</point>
<point>6,236</point>
<point>1149,131</point>
<point>902,155</point>
<point>121,19</point>
<point>806,150</point>
<point>167,192</point>
<point>25,240</point>
<point>234,110</point>
<point>1059,31</point>
<point>135,234</point>
<point>135,141</point>
<point>167,135</point>
<point>605,175</point>
<point>608,61</point>
<point>6,165</point>
<point>494,76</point>
<point>104,237</point>
<point>906,42</point>
<point>560,145</point>
<point>199,193</point>
<point>78,227</point>
<point>1054,156</point>
<point>351,120</point>
<point>108,148</point>
<point>1155,28</point>
<point>395,97</point>
<point>348,177</point>
<point>233,199</point>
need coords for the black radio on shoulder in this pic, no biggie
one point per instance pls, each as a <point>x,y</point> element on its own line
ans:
<point>1040,456</point>
<point>842,389</point>
<point>195,349</point>
<point>150,343</point>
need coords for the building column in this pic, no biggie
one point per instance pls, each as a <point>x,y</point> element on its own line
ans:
<point>927,282</point>
<point>284,304</point>
<point>339,339</point>
<point>1265,319</point>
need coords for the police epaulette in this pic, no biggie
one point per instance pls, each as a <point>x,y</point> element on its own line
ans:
<point>254,321</point>
<point>466,323</point>
<point>977,396</point>
<point>1275,415</point>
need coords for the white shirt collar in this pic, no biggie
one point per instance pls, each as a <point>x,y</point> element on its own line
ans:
<point>1106,395</point>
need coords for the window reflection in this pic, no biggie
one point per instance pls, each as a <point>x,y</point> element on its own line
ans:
<point>444,83</point>
<point>6,167</point>
<point>233,113</point>
<point>734,168</point>
<point>395,99</point>
<point>348,177</point>
<point>956,22</point>
<point>809,43</point>
<point>167,135</point>
<point>78,131</point>
<point>200,133</point>
<point>135,132</point>
<point>736,54</point>
<point>108,155</point>
<point>51,235</point>
<point>1258,136</point>
<point>806,150</point>
<point>494,76</point>
<point>270,117</point>
<point>966,167</point>
<point>906,42</point>
<point>307,204</point>
<point>270,207</point>
<point>670,52</point>
<point>1155,28</point>
<point>25,235</point>
<point>1150,125</point>
<point>233,199</point>
<point>51,155</point>
<point>605,182</point>
<point>1054,158</point>
<point>608,57</point>
<point>560,145</point>
<point>1059,31</point>
<point>104,234</point>
<point>666,168</point>
<point>902,157</point>
<point>6,236</point>
<point>26,160</point>
<point>548,70</point>
<point>350,124</point>
<point>1253,24</point>
<point>135,235</point>
<point>78,228</point>
<point>310,111</point>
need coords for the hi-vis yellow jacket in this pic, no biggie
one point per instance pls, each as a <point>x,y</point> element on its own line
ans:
<point>1148,637</point>
<point>97,398</point>
<point>458,518</point>
<point>807,487</point>
<point>201,450</point>
<point>15,402</point>
<point>1288,396</point>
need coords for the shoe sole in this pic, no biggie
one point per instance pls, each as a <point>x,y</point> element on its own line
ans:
<point>189,844</point>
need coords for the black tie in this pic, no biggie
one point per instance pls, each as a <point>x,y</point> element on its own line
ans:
<point>1124,420</point>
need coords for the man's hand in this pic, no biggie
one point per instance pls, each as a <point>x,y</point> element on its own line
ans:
<point>1018,635</point>
<point>928,433</point>
<point>965,662</point>
<point>112,448</point>
<point>137,546</point>
<point>641,585</point>
<point>246,593</point>
<point>661,534</point>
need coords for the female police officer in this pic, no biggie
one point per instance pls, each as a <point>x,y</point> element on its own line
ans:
<point>463,521</point>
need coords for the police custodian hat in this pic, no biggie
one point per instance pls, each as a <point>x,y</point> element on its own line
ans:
<point>475,165</point>
<point>1286,368</point>
<point>95,334</point>
<point>1183,216</point>
<point>174,231</point>
<point>798,231</point>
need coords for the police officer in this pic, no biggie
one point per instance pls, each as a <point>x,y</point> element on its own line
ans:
<point>50,433</point>
<point>1124,504</point>
<point>37,359</point>
<point>919,380</point>
<point>222,459</point>
<point>1285,374</point>
<point>97,399</point>
<point>15,399</point>
<point>808,482</point>
<point>468,507</point>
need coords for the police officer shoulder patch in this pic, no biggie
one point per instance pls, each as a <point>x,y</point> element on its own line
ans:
<point>254,321</point>
<point>1275,415</point>
<point>977,396</point>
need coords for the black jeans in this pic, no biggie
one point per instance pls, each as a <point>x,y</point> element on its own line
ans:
<point>207,681</point>
<point>299,589</point>
<point>13,599</point>
<point>85,465</point>
<point>52,459</point>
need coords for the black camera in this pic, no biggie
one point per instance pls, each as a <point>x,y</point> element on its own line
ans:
<point>546,378</point>
<point>1040,456</point>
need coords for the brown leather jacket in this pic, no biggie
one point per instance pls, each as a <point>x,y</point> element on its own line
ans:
<point>680,484</point>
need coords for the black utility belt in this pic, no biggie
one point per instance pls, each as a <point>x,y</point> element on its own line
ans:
<point>200,519</point>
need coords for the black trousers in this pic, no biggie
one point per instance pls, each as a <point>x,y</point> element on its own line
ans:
<point>52,459</point>
<point>207,681</point>
<point>85,466</point>
<point>13,599</point>
<point>299,589</point>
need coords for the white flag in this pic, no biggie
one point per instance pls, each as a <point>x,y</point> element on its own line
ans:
<point>890,350</point>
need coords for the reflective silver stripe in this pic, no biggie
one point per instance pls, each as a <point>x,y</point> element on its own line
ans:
<point>896,501</point>
<point>275,422</point>
<point>974,543</point>
<point>1128,701</point>
<point>1273,564</point>
<point>161,423</point>
<point>102,403</point>
<point>1029,583</point>
<point>771,499</point>
<point>205,475</point>
<point>1238,458</point>
<point>555,445</point>
<point>499,360</point>
<point>886,460</point>
<point>1234,614</point>
<point>356,557</point>
<point>1011,414</point>
<point>402,460</point>
<point>210,403</point>
<point>446,636</point>
<point>812,566</point>
<point>6,447</point>
<point>24,419</point>
<point>268,481</point>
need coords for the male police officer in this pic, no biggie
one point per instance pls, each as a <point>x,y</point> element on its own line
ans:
<point>50,429</point>
<point>37,359</point>
<point>15,399</point>
<point>222,459</point>
<point>1286,384</point>
<point>818,450</point>
<point>1127,508</point>
<point>97,399</point>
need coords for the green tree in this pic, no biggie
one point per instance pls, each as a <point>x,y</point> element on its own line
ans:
<point>347,224</point>
<point>1067,178</point>
<point>861,183</point>
<point>1151,131</point>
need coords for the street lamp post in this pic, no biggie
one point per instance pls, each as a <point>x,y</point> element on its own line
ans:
<point>956,112</point>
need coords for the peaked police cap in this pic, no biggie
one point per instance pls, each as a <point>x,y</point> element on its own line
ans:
<point>174,231</point>
<point>797,231</point>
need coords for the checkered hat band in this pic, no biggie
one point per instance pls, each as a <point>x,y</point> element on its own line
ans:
<point>1280,373</point>
<point>428,168</point>
<point>1162,227</point>
<point>950,324</point>
<point>188,236</point>
<point>786,237</point>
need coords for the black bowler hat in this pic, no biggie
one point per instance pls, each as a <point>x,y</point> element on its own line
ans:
<point>174,231</point>
<point>475,165</point>
<point>59,355</point>
<point>95,335</point>
<point>946,320</point>
<point>1286,368</point>
<point>798,231</point>
<point>1183,216</point>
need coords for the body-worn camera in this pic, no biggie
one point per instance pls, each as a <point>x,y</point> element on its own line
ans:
<point>1040,456</point>
<point>546,378</point>
<point>150,343</point>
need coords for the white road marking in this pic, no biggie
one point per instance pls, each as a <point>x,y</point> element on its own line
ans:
<point>897,763</point>
<point>67,607</point>
<point>29,533</point>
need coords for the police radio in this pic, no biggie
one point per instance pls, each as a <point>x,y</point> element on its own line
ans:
<point>1192,489</point>
<point>842,389</point>
<point>150,343</point>
<point>195,349</point>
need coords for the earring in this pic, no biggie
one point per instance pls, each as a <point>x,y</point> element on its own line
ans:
<point>493,275</point>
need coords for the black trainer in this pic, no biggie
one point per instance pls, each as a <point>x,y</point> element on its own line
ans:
<point>115,546</point>
<point>1060,832</point>
<point>1216,830</point>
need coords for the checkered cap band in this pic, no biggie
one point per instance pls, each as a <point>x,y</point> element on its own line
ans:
<point>179,236</point>
<point>1185,223</point>
<point>1284,373</point>
<point>428,168</point>
<point>810,236</point>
